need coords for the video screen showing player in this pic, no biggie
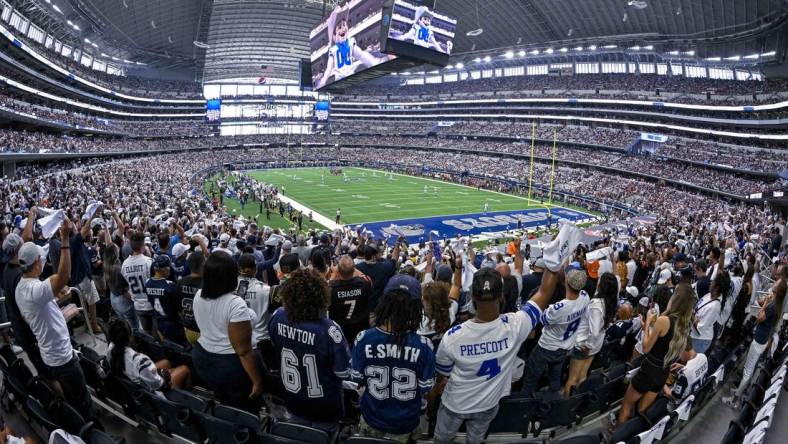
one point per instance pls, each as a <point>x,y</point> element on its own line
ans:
<point>422,27</point>
<point>347,43</point>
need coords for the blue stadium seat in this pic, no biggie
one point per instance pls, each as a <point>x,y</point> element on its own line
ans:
<point>240,417</point>
<point>583,439</point>
<point>67,417</point>
<point>175,419</point>
<point>514,415</point>
<point>39,414</point>
<point>559,412</point>
<point>187,399</point>
<point>367,440</point>
<point>628,431</point>
<point>300,433</point>
<point>267,438</point>
<point>95,436</point>
<point>219,431</point>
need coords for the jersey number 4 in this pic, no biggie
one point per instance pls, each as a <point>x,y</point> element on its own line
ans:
<point>489,368</point>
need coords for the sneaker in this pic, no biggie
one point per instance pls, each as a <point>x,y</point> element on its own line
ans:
<point>731,401</point>
<point>17,349</point>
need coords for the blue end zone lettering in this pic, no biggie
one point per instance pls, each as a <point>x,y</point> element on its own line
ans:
<point>659,104</point>
<point>17,43</point>
<point>474,224</point>
<point>748,109</point>
<point>571,101</point>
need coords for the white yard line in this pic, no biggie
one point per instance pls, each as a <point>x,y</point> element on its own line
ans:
<point>317,217</point>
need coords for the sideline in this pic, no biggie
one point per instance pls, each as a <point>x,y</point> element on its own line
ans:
<point>317,217</point>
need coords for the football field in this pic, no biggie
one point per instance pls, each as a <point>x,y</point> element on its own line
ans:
<point>386,203</point>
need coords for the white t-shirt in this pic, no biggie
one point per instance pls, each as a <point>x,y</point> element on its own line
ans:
<point>257,298</point>
<point>730,302</point>
<point>591,332</point>
<point>708,313</point>
<point>479,358</point>
<point>136,270</point>
<point>213,316</point>
<point>38,307</point>
<point>690,378</point>
<point>631,268</point>
<point>224,250</point>
<point>561,322</point>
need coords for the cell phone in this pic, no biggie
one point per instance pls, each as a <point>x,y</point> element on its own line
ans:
<point>242,287</point>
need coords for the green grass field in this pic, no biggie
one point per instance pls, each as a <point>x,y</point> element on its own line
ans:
<point>367,198</point>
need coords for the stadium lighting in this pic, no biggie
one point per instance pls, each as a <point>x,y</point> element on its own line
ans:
<point>713,59</point>
<point>734,58</point>
<point>94,45</point>
<point>535,52</point>
<point>104,55</point>
<point>56,9</point>
<point>578,48</point>
<point>635,48</point>
<point>563,49</point>
<point>459,65</point>
<point>509,54</point>
<point>768,54</point>
<point>487,59</point>
<point>87,40</point>
<point>690,53</point>
<point>648,48</point>
<point>548,51</point>
<point>610,46</point>
<point>673,52</point>
<point>752,56</point>
<point>477,60</point>
<point>592,48</point>
<point>521,53</point>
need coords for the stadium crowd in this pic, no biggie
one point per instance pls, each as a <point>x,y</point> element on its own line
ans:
<point>434,332</point>
<point>631,85</point>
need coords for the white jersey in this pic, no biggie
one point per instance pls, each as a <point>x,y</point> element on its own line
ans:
<point>736,284</point>
<point>342,54</point>
<point>561,322</point>
<point>136,271</point>
<point>479,358</point>
<point>690,378</point>
<point>257,298</point>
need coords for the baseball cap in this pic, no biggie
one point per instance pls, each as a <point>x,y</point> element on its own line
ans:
<point>681,257</point>
<point>29,253</point>
<point>644,301</point>
<point>575,276</point>
<point>161,261</point>
<point>633,291</point>
<point>443,273</point>
<point>179,249</point>
<point>287,245</point>
<point>289,263</point>
<point>225,237</point>
<point>404,282</point>
<point>664,276</point>
<point>487,284</point>
<point>12,243</point>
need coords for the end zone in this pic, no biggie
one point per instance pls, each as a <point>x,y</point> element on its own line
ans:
<point>475,223</point>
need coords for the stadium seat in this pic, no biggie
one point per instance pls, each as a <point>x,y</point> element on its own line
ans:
<point>40,415</point>
<point>7,354</point>
<point>514,415</point>
<point>629,430</point>
<point>240,417</point>
<point>187,399</point>
<point>18,391</point>
<point>95,436</point>
<point>301,433</point>
<point>67,417</point>
<point>583,439</point>
<point>40,390</point>
<point>559,412</point>
<point>734,434</point>
<point>175,419</point>
<point>702,393</point>
<point>219,431</point>
<point>367,440</point>
<point>267,438</point>
<point>148,345</point>
<point>596,399</point>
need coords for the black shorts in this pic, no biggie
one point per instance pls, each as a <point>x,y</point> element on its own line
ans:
<point>650,378</point>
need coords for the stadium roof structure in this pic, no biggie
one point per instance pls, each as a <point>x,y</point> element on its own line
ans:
<point>226,39</point>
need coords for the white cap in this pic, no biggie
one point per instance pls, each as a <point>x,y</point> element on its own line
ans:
<point>664,276</point>
<point>225,237</point>
<point>179,249</point>
<point>30,253</point>
<point>633,291</point>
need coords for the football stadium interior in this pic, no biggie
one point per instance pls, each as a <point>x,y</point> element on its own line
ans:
<point>382,221</point>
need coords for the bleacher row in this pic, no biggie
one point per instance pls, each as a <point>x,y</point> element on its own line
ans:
<point>196,417</point>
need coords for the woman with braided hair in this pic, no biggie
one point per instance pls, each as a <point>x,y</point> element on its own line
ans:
<point>396,365</point>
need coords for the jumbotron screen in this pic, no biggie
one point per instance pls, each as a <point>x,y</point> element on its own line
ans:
<point>322,108</point>
<point>421,26</point>
<point>213,110</point>
<point>347,43</point>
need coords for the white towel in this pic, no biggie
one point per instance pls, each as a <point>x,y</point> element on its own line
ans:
<point>50,224</point>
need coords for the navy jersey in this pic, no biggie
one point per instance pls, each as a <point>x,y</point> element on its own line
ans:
<point>161,294</point>
<point>178,267</point>
<point>397,380</point>
<point>314,361</point>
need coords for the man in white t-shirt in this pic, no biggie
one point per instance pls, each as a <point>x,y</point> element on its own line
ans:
<point>136,270</point>
<point>707,313</point>
<point>38,305</point>
<point>478,356</point>
<point>561,322</point>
